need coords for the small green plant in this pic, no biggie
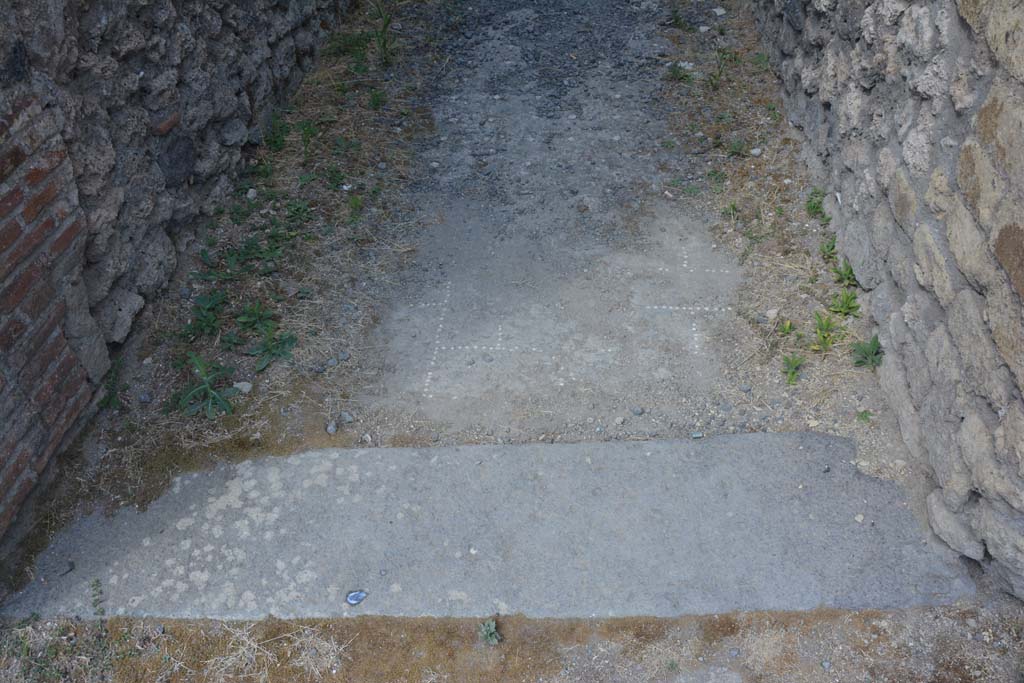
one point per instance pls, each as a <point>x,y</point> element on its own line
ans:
<point>308,130</point>
<point>738,148</point>
<point>377,100</point>
<point>278,133</point>
<point>867,354</point>
<point>488,631</point>
<point>672,665</point>
<point>828,249</point>
<point>786,328</point>
<point>815,203</point>
<point>865,416</point>
<point>113,386</point>
<point>717,177</point>
<point>205,316</point>
<point>334,176</point>
<point>844,275</point>
<point>732,212</point>
<point>826,332</point>
<point>256,317</point>
<point>272,347</point>
<point>355,205</point>
<point>207,396</point>
<point>382,33</point>
<point>668,144</point>
<point>761,60</point>
<point>352,45</point>
<point>676,20</point>
<point>96,590</point>
<point>791,365</point>
<point>845,304</point>
<point>231,341</point>
<point>679,74</point>
<point>298,211</point>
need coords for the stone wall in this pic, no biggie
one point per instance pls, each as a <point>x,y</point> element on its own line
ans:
<point>916,112</point>
<point>121,121</point>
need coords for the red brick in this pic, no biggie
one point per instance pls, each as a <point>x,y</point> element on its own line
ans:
<point>22,458</point>
<point>9,507</point>
<point>50,387</point>
<point>16,291</point>
<point>57,412</point>
<point>9,202</point>
<point>37,301</point>
<point>41,360</point>
<point>42,167</point>
<point>8,234</point>
<point>28,243</point>
<point>35,205</point>
<point>11,333</point>
<point>67,238</point>
<point>73,408</point>
<point>167,125</point>
<point>10,160</point>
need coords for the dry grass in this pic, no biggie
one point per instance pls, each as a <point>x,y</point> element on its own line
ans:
<point>955,645</point>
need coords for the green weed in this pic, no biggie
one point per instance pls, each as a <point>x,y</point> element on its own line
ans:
<point>377,100</point>
<point>207,396</point>
<point>488,631</point>
<point>865,416</point>
<point>826,332</point>
<point>791,367</point>
<point>828,249</point>
<point>382,40</point>
<point>786,328</point>
<point>113,386</point>
<point>272,347</point>
<point>845,304</point>
<point>278,133</point>
<point>732,212</point>
<point>844,275</point>
<point>867,354</point>
<point>256,317</point>
<point>815,206</point>
<point>205,316</point>
<point>738,148</point>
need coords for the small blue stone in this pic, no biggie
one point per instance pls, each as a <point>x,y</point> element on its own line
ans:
<point>355,597</point>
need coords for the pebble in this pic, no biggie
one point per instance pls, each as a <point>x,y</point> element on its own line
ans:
<point>696,435</point>
<point>826,665</point>
<point>488,358</point>
<point>346,417</point>
<point>244,387</point>
<point>355,597</point>
<point>734,652</point>
<point>772,313</point>
<point>746,388</point>
<point>703,29</point>
<point>145,398</point>
<point>332,427</point>
<point>719,11</point>
<point>251,194</point>
<point>332,362</point>
<point>620,421</point>
<point>344,356</point>
<point>638,410</point>
<point>185,293</point>
<point>756,152</point>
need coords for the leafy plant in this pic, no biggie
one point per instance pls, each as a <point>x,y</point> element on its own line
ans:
<point>732,212</point>
<point>205,316</point>
<point>382,34</point>
<point>844,275</point>
<point>791,367</point>
<point>355,205</point>
<point>865,416</point>
<point>826,332</point>
<point>488,631</point>
<point>828,249</point>
<point>207,396</point>
<point>786,328</point>
<point>717,177</point>
<point>308,130</point>
<point>272,347</point>
<point>256,317</point>
<point>679,74</point>
<point>868,354</point>
<point>845,303</point>
<point>815,203</point>
<point>377,99</point>
<point>738,148</point>
<point>113,386</point>
<point>231,341</point>
<point>278,133</point>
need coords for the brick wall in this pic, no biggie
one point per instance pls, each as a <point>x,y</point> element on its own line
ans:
<point>43,386</point>
<point>121,122</point>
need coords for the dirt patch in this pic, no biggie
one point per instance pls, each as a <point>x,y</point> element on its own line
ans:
<point>948,645</point>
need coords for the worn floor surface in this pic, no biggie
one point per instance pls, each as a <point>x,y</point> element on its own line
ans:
<point>558,289</point>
